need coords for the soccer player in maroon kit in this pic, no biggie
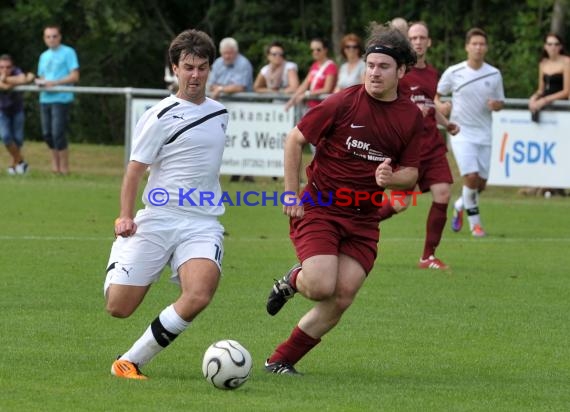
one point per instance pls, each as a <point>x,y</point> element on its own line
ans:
<point>367,139</point>
<point>420,83</point>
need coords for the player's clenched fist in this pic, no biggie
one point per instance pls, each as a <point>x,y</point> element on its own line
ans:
<point>292,206</point>
<point>384,173</point>
<point>125,227</point>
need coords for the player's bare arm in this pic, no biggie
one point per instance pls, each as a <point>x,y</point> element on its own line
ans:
<point>451,127</point>
<point>124,224</point>
<point>441,106</point>
<point>293,155</point>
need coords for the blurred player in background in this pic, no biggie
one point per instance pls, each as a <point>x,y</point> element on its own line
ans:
<point>182,140</point>
<point>420,84</point>
<point>477,91</point>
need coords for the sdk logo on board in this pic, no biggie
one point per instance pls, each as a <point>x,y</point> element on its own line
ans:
<point>518,152</point>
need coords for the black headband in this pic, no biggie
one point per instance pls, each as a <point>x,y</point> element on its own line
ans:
<point>385,50</point>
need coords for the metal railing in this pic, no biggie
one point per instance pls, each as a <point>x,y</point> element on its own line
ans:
<point>130,92</point>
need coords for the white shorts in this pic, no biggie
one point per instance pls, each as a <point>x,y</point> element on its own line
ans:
<point>472,158</point>
<point>161,238</point>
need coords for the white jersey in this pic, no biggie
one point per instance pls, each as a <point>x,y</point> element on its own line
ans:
<point>184,143</point>
<point>470,90</point>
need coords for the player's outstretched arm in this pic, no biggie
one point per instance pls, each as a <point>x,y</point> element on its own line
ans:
<point>293,156</point>
<point>124,224</point>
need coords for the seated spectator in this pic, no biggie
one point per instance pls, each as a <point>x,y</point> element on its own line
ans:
<point>12,112</point>
<point>231,72</point>
<point>352,70</point>
<point>553,84</point>
<point>553,75</point>
<point>280,75</point>
<point>321,78</point>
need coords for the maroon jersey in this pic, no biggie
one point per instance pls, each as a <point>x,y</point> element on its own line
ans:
<point>421,85</point>
<point>354,133</point>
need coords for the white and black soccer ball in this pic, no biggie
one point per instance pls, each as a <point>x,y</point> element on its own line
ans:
<point>227,364</point>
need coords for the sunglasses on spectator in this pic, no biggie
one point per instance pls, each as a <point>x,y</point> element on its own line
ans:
<point>553,44</point>
<point>5,67</point>
<point>52,36</point>
<point>317,50</point>
<point>351,46</point>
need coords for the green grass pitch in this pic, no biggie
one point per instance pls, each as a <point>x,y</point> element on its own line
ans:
<point>492,335</point>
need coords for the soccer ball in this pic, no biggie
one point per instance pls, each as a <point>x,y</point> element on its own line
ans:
<point>227,364</point>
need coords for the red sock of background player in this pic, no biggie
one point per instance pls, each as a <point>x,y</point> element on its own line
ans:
<point>294,348</point>
<point>434,228</point>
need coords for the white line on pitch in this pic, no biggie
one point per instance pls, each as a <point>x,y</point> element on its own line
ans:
<point>383,239</point>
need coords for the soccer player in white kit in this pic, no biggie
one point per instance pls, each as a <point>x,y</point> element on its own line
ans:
<point>182,140</point>
<point>477,90</point>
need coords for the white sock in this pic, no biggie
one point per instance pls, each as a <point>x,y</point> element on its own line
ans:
<point>459,203</point>
<point>471,204</point>
<point>167,326</point>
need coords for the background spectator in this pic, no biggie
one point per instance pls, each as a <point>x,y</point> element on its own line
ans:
<point>321,78</point>
<point>351,72</point>
<point>58,66</point>
<point>279,75</point>
<point>231,72</point>
<point>12,112</point>
<point>553,75</point>
<point>553,84</point>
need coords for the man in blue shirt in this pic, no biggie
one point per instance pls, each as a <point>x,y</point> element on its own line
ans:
<point>58,66</point>
<point>231,72</point>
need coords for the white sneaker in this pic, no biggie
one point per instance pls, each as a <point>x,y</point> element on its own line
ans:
<point>11,171</point>
<point>21,168</point>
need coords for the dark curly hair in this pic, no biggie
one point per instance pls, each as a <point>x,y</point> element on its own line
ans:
<point>390,41</point>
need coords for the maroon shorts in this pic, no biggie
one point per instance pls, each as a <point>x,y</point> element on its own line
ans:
<point>321,233</point>
<point>434,170</point>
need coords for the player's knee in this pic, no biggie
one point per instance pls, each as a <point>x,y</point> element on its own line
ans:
<point>201,300</point>
<point>442,196</point>
<point>343,303</point>
<point>118,311</point>
<point>190,304</point>
<point>319,292</point>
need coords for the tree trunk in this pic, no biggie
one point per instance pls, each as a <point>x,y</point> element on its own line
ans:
<point>558,12</point>
<point>338,25</point>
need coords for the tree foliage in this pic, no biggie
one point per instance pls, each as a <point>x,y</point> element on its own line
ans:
<point>123,43</point>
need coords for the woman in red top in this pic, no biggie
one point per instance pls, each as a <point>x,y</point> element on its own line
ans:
<point>321,78</point>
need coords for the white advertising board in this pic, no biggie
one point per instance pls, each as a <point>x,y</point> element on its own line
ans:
<point>526,153</point>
